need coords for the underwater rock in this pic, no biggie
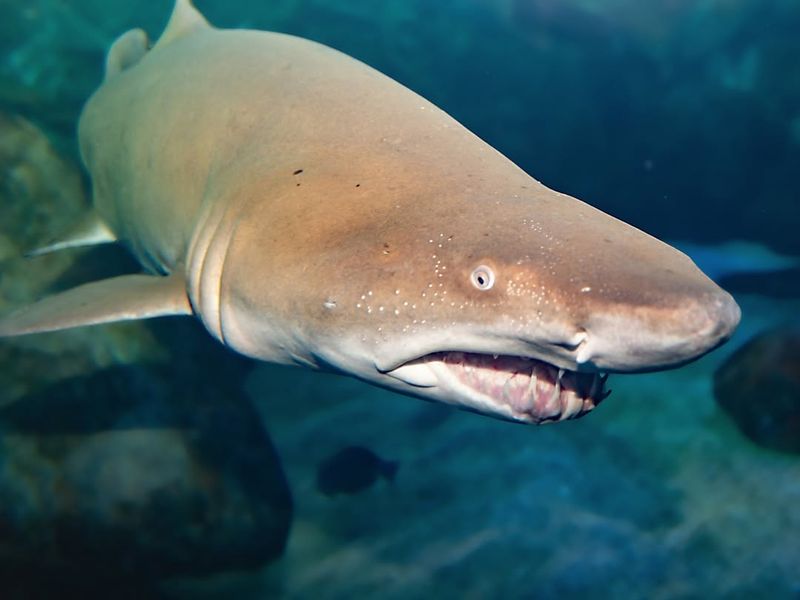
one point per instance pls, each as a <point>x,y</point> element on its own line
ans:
<point>41,195</point>
<point>127,471</point>
<point>353,469</point>
<point>139,473</point>
<point>41,190</point>
<point>759,387</point>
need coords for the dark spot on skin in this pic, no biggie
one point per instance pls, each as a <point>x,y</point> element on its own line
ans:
<point>485,235</point>
<point>449,237</point>
<point>297,172</point>
<point>386,249</point>
<point>298,185</point>
<point>358,185</point>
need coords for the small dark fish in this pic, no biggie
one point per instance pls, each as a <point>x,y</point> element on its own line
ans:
<point>351,470</point>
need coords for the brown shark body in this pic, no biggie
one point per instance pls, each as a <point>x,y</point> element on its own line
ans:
<point>311,210</point>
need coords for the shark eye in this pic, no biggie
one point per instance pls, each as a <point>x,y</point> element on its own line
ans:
<point>483,278</point>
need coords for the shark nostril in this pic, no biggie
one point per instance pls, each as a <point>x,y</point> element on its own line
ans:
<point>580,338</point>
<point>575,342</point>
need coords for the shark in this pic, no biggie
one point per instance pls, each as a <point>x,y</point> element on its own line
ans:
<point>310,210</point>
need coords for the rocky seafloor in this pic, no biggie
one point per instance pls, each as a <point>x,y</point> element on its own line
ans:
<point>681,118</point>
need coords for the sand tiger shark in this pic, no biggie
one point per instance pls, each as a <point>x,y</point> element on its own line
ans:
<point>312,211</point>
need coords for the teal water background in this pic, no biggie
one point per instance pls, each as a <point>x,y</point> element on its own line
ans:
<point>680,117</point>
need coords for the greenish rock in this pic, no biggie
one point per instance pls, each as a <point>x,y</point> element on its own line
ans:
<point>127,452</point>
<point>138,473</point>
<point>43,195</point>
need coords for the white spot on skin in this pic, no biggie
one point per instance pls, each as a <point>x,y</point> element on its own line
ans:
<point>586,289</point>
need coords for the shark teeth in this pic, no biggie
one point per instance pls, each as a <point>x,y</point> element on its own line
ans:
<point>573,406</point>
<point>533,390</point>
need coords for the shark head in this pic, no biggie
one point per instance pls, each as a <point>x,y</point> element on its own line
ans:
<point>517,307</point>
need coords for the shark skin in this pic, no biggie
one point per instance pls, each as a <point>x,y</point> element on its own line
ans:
<point>312,211</point>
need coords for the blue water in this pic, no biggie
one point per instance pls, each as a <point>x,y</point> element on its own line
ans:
<point>682,118</point>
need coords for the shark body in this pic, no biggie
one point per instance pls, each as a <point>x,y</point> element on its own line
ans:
<point>310,210</point>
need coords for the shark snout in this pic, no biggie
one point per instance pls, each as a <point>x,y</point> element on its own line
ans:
<point>722,316</point>
<point>668,334</point>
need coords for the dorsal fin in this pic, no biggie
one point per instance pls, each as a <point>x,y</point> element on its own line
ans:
<point>127,50</point>
<point>185,19</point>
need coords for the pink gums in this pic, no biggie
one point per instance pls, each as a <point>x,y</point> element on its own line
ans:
<point>531,388</point>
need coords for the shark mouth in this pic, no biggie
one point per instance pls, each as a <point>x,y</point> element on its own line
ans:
<point>526,389</point>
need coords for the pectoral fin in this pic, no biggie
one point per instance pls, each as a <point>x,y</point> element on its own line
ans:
<point>118,299</point>
<point>91,231</point>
